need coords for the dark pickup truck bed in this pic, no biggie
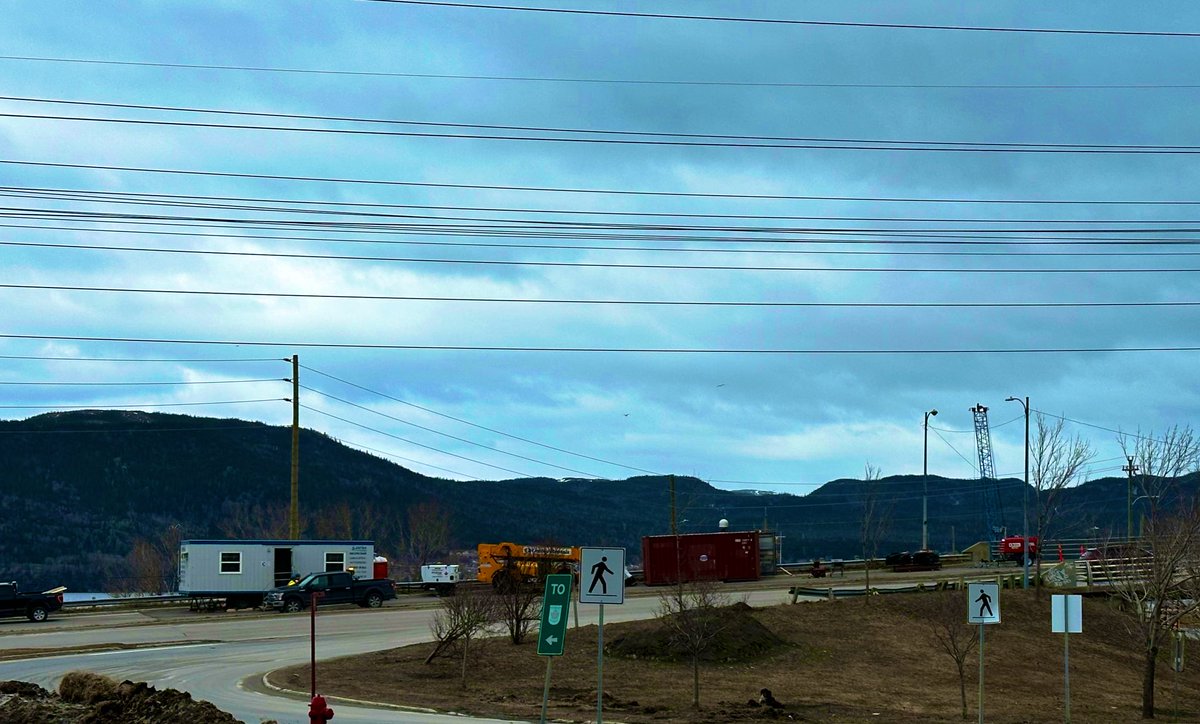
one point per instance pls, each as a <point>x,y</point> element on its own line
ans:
<point>334,588</point>
<point>35,606</point>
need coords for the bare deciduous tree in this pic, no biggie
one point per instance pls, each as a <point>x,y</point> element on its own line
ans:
<point>153,563</point>
<point>428,532</point>
<point>693,618</point>
<point>459,619</point>
<point>1160,583</point>
<point>519,608</point>
<point>1161,461</point>
<point>950,631</point>
<point>1056,463</point>
<point>876,519</point>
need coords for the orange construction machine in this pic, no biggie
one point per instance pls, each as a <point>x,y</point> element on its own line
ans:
<point>508,565</point>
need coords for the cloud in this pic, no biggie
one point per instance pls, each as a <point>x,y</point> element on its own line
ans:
<point>750,417</point>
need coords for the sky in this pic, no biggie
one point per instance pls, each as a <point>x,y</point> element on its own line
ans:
<point>462,301</point>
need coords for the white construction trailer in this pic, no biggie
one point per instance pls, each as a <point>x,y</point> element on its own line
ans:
<point>236,573</point>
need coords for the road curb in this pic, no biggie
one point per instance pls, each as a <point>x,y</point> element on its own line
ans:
<point>292,693</point>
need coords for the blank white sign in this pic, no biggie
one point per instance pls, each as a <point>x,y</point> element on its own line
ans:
<point>1066,613</point>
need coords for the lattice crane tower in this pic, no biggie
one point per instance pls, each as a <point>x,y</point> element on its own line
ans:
<point>993,511</point>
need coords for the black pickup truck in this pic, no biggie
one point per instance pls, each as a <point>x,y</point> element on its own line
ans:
<point>37,606</point>
<point>334,588</point>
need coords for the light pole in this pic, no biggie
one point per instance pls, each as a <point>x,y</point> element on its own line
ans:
<point>1025,493</point>
<point>925,487</point>
<point>1142,519</point>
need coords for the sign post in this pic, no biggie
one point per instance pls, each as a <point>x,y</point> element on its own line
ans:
<point>983,608</point>
<point>601,581</point>
<point>1066,618</point>
<point>552,632</point>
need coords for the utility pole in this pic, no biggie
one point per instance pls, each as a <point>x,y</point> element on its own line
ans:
<point>675,537</point>
<point>674,531</point>
<point>1025,502</point>
<point>1025,496</point>
<point>1131,470</point>
<point>925,486</point>
<point>294,516</point>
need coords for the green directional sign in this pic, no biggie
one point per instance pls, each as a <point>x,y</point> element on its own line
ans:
<point>556,604</point>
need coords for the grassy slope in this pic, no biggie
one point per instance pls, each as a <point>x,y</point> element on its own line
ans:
<point>844,661</point>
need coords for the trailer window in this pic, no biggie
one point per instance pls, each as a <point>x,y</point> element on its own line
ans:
<point>231,561</point>
<point>335,562</point>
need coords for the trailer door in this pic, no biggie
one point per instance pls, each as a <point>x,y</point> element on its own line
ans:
<point>283,566</point>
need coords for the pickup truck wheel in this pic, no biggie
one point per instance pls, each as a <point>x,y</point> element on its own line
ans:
<point>292,605</point>
<point>38,614</point>
<point>374,600</point>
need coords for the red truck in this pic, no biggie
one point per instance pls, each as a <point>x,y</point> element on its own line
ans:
<point>1012,548</point>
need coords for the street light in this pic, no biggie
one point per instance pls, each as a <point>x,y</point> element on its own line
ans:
<point>925,487</point>
<point>1025,493</point>
<point>1142,519</point>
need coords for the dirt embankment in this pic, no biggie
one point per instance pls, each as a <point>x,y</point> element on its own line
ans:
<point>853,660</point>
<point>86,698</point>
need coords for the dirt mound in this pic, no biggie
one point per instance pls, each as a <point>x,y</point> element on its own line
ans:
<point>84,687</point>
<point>86,698</point>
<point>737,636</point>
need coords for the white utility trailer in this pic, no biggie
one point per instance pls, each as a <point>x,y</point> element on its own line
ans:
<point>236,573</point>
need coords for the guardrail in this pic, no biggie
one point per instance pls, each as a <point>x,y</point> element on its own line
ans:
<point>1007,580</point>
<point>126,601</point>
<point>1111,571</point>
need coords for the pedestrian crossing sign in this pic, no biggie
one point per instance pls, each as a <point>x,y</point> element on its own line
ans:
<point>602,575</point>
<point>983,603</point>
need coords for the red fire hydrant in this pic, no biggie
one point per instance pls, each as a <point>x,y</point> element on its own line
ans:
<point>318,711</point>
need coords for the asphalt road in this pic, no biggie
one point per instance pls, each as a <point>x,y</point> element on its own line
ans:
<point>221,658</point>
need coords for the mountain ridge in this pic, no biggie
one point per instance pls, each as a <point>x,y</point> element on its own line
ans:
<point>80,487</point>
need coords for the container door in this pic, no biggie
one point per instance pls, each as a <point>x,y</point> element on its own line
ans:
<point>283,566</point>
<point>702,562</point>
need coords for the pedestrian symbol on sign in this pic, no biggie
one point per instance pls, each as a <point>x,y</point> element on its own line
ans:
<point>603,567</point>
<point>985,603</point>
<point>598,572</point>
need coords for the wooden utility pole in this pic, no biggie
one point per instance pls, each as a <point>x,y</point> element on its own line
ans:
<point>674,531</point>
<point>1131,469</point>
<point>294,516</point>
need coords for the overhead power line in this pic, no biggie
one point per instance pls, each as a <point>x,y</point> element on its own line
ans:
<point>308,206</point>
<point>475,425</point>
<point>611,81</point>
<point>63,358</point>
<point>887,239</point>
<point>137,406</point>
<point>55,383</point>
<point>618,137</point>
<point>630,302</point>
<point>605,265</point>
<point>793,21</point>
<point>139,430</point>
<point>626,350</point>
<point>826,245</point>
<point>413,442</point>
<point>386,454</point>
<point>1117,431</point>
<point>580,190</point>
<point>446,434</point>
<point>747,139</point>
<point>439,222</point>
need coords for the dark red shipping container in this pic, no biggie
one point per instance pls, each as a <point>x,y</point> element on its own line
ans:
<point>725,556</point>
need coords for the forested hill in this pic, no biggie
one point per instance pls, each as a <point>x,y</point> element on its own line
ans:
<point>78,488</point>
